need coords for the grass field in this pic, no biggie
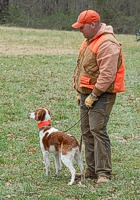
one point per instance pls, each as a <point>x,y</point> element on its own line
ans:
<point>36,71</point>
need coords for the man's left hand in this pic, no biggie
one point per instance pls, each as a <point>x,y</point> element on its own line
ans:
<point>90,100</point>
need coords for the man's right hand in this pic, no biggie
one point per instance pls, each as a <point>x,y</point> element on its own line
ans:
<point>78,97</point>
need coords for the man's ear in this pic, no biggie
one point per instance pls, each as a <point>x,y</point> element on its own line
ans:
<point>93,24</point>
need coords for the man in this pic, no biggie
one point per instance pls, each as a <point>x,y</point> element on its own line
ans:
<point>98,76</point>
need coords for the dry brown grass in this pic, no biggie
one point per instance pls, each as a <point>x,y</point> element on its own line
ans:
<point>33,50</point>
<point>21,41</point>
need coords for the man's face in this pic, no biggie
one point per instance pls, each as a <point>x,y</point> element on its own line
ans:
<point>88,30</point>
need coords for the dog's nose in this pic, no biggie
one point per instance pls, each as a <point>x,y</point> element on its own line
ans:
<point>31,116</point>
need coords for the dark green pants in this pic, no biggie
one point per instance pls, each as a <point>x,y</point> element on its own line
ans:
<point>95,137</point>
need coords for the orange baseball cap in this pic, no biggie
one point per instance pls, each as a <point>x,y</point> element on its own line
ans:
<point>86,17</point>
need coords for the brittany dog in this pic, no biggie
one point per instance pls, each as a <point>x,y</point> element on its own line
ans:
<point>64,146</point>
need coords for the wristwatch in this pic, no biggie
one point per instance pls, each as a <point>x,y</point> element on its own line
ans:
<point>94,96</point>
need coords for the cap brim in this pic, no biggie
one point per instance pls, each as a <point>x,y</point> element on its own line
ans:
<point>77,25</point>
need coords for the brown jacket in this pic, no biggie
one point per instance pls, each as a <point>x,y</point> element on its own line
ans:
<point>97,69</point>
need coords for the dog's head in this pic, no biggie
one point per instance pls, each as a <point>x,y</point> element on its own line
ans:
<point>41,114</point>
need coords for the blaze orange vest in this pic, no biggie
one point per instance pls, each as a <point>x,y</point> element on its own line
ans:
<point>85,82</point>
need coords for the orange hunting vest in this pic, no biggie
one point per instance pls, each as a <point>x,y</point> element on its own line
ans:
<point>87,71</point>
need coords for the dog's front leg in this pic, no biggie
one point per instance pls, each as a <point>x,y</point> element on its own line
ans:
<point>57,162</point>
<point>47,162</point>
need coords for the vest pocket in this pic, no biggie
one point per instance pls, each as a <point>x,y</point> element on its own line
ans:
<point>86,82</point>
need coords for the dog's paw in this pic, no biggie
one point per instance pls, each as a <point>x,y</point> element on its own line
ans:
<point>58,172</point>
<point>70,183</point>
<point>80,185</point>
<point>48,173</point>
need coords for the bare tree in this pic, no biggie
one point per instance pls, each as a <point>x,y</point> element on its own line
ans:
<point>122,14</point>
<point>4,4</point>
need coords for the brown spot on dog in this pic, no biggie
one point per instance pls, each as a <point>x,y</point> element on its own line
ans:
<point>40,115</point>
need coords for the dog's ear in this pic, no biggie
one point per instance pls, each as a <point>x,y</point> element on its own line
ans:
<point>48,111</point>
<point>40,115</point>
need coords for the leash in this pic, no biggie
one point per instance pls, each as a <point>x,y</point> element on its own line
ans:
<point>75,123</point>
<point>81,139</point>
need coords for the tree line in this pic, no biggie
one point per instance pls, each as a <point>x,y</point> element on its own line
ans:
<point>123,15</point>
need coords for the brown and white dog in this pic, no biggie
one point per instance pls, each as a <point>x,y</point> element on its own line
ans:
<point>64,146</point>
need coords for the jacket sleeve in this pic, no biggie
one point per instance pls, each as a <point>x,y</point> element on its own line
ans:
<point>107,61</point>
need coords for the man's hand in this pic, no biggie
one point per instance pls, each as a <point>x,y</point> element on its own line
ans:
<point>90,100</point>
<point>78,97</point>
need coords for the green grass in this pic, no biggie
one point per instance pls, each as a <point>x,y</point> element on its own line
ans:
<point>41,75</point>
